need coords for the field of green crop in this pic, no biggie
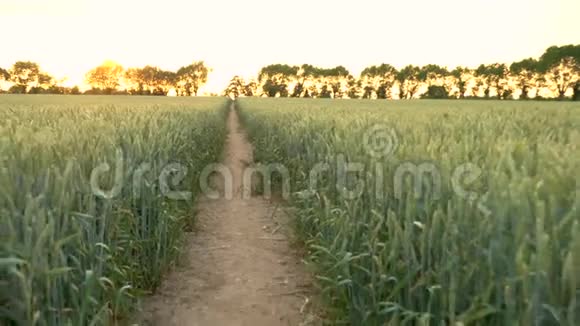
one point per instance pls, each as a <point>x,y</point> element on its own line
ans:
<point>80,242</point>
<point>489,236</point>
<point>413,213</point>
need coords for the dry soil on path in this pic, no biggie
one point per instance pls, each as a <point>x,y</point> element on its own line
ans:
<point>238,267</point>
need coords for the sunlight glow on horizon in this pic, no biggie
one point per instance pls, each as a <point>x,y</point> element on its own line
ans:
<point>68,38</point>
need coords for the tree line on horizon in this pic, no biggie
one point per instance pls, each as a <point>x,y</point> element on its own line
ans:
<point>109,79</point>
<point>556,74</point>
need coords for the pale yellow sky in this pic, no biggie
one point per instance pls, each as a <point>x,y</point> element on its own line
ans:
<point>69,37</point>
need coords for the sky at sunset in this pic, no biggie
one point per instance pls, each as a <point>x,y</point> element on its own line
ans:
<point>69,37</point>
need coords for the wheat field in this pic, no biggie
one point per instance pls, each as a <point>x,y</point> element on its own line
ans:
<point>72,255</point>
<point>489,234</point>
<point>411,212</point>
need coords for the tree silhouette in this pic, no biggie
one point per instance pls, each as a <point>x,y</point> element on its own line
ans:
<point>304,74</point>
<point>150,80</point>
<point>135,77</point>
<point>275,78</point>
<point>563,75</point>
<point>332,81</point>
<point>24,73</point>
<point>459,77</point>
<point>432,74</point>
<point>167,80</point>
<point>354,87</point>
<point>378,80</point>
<point>436,92</point>
<point>27,77</point>
<point>493,75</point>
<point>105,77</point>
<point>4,74</point>
<point>525,74</point>
<point>561,67</point>
<point>45,84</point>
<point>236,87</point>
<point>409,81</point>
<point>251,88</point>
<point>192,77</point>
<point>434,77</point>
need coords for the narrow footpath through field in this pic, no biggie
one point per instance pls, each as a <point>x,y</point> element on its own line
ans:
<point>238,267</point>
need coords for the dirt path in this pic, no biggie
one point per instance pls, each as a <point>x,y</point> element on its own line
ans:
<point>238,267</point>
